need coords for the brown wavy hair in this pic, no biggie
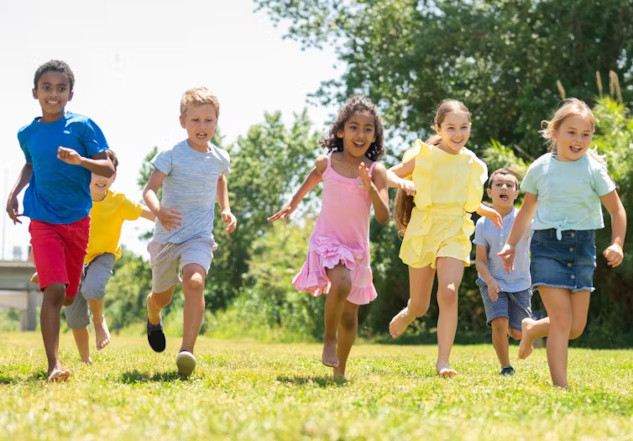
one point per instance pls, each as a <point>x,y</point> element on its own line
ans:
<point>357,103</point>
<point>403,205</point>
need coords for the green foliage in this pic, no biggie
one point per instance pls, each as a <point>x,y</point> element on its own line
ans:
<point>501,57</point>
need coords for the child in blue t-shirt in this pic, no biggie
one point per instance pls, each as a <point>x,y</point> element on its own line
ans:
<point>506,297</point>
<point>564,189</point>
<point>58,196</point>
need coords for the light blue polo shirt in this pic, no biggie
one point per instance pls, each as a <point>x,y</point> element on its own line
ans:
<point>493,238</point>
<point>568,192</point>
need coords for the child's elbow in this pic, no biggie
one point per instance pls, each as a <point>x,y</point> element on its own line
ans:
<point>383,218</point>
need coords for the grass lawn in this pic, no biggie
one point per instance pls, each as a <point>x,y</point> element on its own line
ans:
<point>245,390</point>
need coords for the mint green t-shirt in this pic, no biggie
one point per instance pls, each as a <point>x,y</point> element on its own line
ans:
<point>568,192</point>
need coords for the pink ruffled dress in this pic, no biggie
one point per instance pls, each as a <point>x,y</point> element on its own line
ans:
<point>341,235</point>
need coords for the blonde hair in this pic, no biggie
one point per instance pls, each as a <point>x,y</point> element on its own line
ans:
<point>199,96</point>
<point>570,107</point>
<point>403,204</point>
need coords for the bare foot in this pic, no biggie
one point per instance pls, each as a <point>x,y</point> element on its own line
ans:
<point>102,334</point>
<point>525,346</point>
<point>444,370</point>
<point>329,353</point>
<point>58,376</point>
<point>400,322</point>
<point>87,362</point>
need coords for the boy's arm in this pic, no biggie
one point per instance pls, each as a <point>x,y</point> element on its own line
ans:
<point>313,178</point>
<point>481,262</point>
<point>376,185</point>
<point>99,164</point>
<point>147,214</point>
<point>614,253</point>
<point>168,217</point>
<point>520,226</point>
<point>223,201</point>
<point>12,201</point>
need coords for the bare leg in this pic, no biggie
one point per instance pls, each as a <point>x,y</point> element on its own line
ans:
<point>102,334</point>
<point>82,340</point>
<point>341,281</point>
<point>193,276</point>
<point>449,276</point>
<point>156,301</point>
<point>500,340</point>
<point>557,302</point>
<point>420,286</point>
<point>54,297</point>
<point>531,330</point>
<point>346,335</point>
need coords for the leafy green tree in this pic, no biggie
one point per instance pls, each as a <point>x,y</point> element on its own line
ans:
<point>501,57</point>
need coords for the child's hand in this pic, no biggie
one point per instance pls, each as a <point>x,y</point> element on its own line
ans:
<point>407,186</point>
<point>507,257</point>
<point>614,255</point>
<point>365,177</point>
<point>69,156</point>
<point>230,220</point>
<point>491,214</point>
<point>12,210</point>
<point>493,289</point>
<point>286,211</point>
<point>169,218</point>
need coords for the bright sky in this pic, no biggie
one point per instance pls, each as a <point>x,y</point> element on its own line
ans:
<point>132,61</point>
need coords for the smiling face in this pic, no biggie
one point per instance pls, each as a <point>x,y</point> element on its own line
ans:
<point>572,138</point>
<point>503,191</point>
<point>200,122</point>
<point>454,131</point>
<point>53,92</point>
<point>358,133</point>
<point>99,186</point>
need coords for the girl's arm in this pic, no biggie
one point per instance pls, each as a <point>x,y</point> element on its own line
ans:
<point>12,201</point>
<point>520,226</point>
<point>481,262</point>
<point>169,218</point>
<point>491,214</point>
<point>614,253</point>
<point>376,185</point>
<point>99,164</point>
<point>223,201</point>
<point>313,178</point>
<point>396,174</point>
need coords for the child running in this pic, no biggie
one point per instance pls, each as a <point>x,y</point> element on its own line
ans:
<point>338,255</point>
<point>109,211</point>
<point>507,297</point>
<point>563,192</point>
<point>61,149</point>
<point>449,181</point>
<point>194,176</point>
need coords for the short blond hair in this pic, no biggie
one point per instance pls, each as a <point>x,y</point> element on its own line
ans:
<point>199,96</point>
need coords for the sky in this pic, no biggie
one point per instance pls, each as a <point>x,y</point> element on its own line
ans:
<point>132,60</point>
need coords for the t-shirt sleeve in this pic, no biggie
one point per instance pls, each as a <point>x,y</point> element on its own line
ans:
<point>602,182</point>
<point>25,149</point>
<point>530,178</point>
<point>93,139</point>
<point>130,210</point>
<point>479,234</point>
<point>162,162</point>
<point>227,163</point>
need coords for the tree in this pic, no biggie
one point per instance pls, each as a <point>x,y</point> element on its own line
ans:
<point>501,57</point>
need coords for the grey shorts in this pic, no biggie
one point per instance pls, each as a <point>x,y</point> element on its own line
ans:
<point>514,305</point>
<point>95,278</point>
<point>168,259</point>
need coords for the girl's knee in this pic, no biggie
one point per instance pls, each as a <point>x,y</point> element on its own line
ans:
<point>576,331</point>
<point>341,283</point>
<point>447,296</point>
<point>417,309</point>
<point>349,321</point>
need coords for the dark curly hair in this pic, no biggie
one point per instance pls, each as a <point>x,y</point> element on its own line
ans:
<point>357,103</point>
<point>55,66</point>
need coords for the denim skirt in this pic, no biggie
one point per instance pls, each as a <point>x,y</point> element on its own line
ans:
<point>567,261</point>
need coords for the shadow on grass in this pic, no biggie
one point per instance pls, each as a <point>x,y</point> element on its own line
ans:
<point>320,381</point>
<point>135,376</point>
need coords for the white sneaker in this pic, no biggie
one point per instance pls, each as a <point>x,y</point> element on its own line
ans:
<point>186,363</point>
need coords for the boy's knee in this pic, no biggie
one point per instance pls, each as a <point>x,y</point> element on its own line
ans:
<point>499,324</point>
<point>515,334</point>
<point>193,285</point>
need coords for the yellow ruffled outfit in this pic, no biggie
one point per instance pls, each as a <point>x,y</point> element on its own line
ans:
<point>448,189</point>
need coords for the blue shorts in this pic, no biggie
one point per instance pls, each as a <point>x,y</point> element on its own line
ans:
<point>515,306</point>
<point>567,263</point>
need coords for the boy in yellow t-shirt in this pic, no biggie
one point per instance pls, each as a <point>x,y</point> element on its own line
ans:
<point>109,211</point>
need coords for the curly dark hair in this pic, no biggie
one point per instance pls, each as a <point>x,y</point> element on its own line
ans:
<point>55,66</point>
<point>357,103</point>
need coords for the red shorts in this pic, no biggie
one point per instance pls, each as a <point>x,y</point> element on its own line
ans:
<point>59,251</point>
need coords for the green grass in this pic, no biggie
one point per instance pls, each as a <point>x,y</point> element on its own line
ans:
<point>245,390</point>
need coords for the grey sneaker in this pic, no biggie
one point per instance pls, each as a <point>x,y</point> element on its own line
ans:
<point>508,370</point>
<point>186,363</point>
